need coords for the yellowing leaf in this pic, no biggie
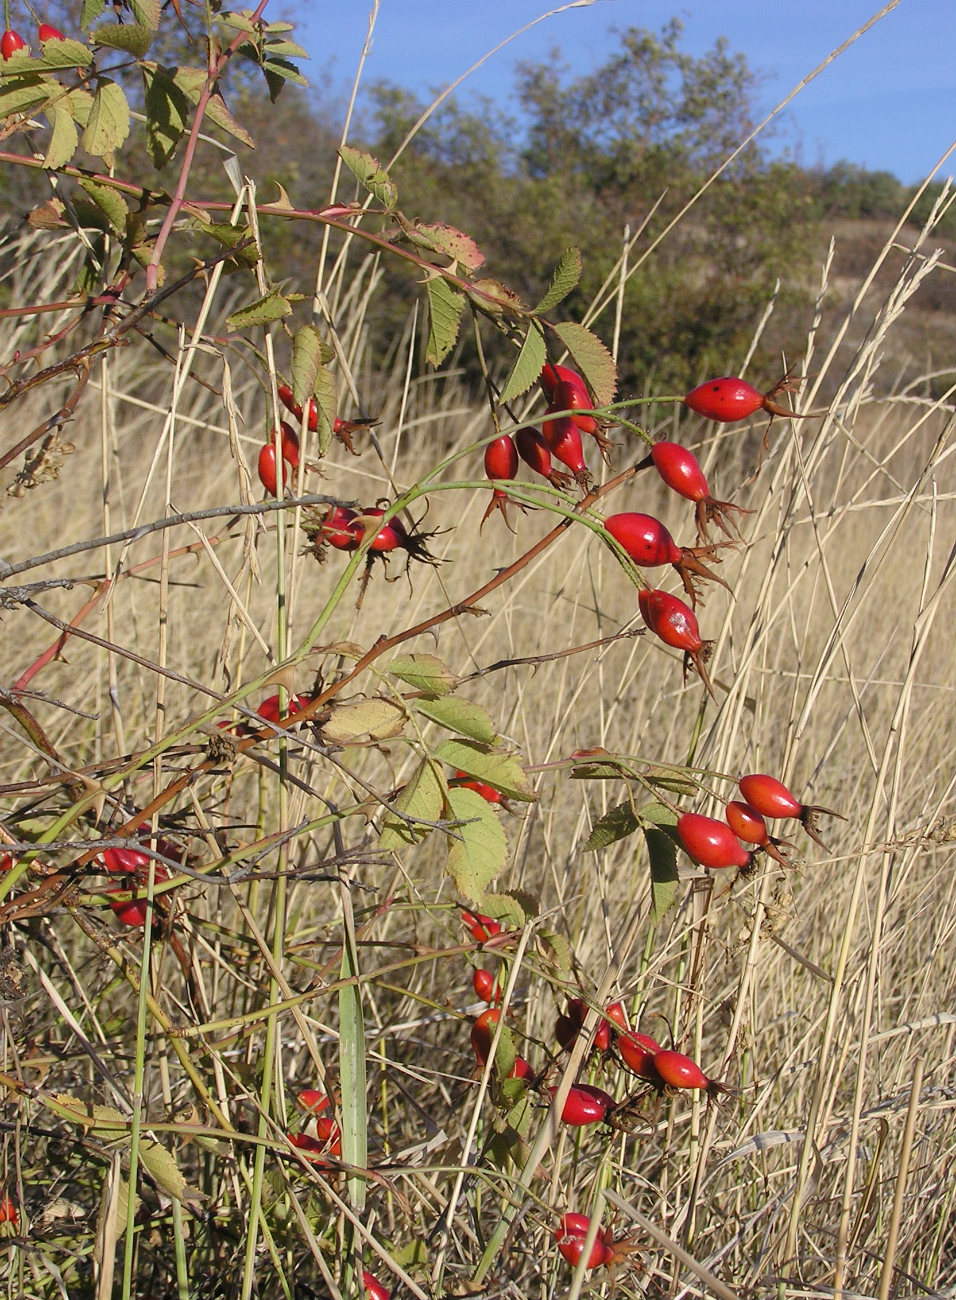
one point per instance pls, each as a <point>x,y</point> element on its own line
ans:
<point>479,850</point>
<point>370,173</point>
<point>64,137</point>
<point>423,673</point>
<point>423,797</point>
<point>108,126</point>
<point>270,307</point>
<point>502,770</point>
<point>377,718</point>
<point>467,719</point>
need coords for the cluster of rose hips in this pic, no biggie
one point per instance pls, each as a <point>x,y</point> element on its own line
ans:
<point>716,844</point>
<point>645,539</point>
<point>134,863</point>
<point>12,41</point>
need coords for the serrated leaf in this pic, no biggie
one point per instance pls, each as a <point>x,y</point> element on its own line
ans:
<point>26,95</point>
<point>495,298</point>
<point>527,367</point>
<point>514,1093</point>
<point>441,238</point>
<point>445,306</point>
<point>369,172</point>
<point>91,11</point>
<point>557,950</point>
<point>146,12</point>
<point>658,813</point>
<point>324,389</point>
<point>376,718</point>
<point>615,825</point>
<point>423,797</point>
<point>192,82</point>
<point>272,306</point>
<point>502,770</point>
<point>277,72</point>
<point>167,112</point>
<point>480,848</point>
<point>592,359</point>
<point>512,910</point>
<point>81,104</point>
<point>467,719</point>
<point>564,278</point>
<point>662,854</point>
<point>306,360</point>
<point>56,55</point>
<point>161,1164</point>
<point>64,137</point>
<point>229,236</point>
<point>423,673</point>
<point>109,201</point>
<point>134,38</point>
<point>285,49</point>
<point>108,126</point>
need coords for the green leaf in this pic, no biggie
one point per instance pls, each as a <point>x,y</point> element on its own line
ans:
<point>615,825</point>
<point>369,172</point>
<point>108,126</point>
<point>558,951</point>
<point>325,399</point>
<point>285,50</point>
<point>192,82</point>
<point>109,201</point>
<point>272,306</point>
<point>423,673</point>
<point>26,95</point>
<point>56,55</point>
<point>423,797</point>
<point>229,237</point>
<point>167,112</point>
<point>277,72</point>
<point>64,136</point>
<point>592,359</point>
<point>91,11</point>
<point>81,104</point>
<point>480,850</point>
<point>503,771</point>
<point>445,306</point>
<point>376,718</point>
<point>146,12</point>
<point>658,813</point>
<point>162,1165</point>
<point>134,38</point>
<point>527,367</point>
<point>512,910</point>
<point>306,362</point>
<point>662,853</point>
<point>564,278</point>
<point>467,719</point>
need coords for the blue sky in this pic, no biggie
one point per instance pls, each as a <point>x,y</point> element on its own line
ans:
<point>887,103</point>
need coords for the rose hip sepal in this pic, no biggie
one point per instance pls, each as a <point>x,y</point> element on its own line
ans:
<point>771,798</point>
<point>676,625</point>
<point>563,439</point>
<point>649,544</point>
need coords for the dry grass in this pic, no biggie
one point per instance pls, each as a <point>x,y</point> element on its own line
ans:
<point>823,996</point>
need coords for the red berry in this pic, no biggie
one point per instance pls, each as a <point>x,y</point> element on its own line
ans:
<point>487,792</point>
<point>568,1026</point>
<point>617,1015</point>
<point>47,33</point>
<point>679,1071</point>
<point>570,1235</point>
<point>573,397</point>
<point>267,468</point>
<point>269,708</point>
<point>771,798</point>
<point>482,1033</point>
<point>682,473</point>
<point>10,42</point>
<point>130,911</point>
<point>645,539</point>
<point>551,376</point>
<point>710,842</point>
<point>482,928</point>
<point>373,1287</point>
<point>485,985</point>
<point>289,444</point>
<point>533,450</point>
<point>326,1142</point>
<point>123,861</point>
<point>501,461</point>
<point>563,439</point>
<point>585,1105</point>
<point>638,1052</point>
<point>746,823</point>
<point>676,625</point>
<point>8,1211</point>
<point>313,1100</point>
<point>338,529</point>
<point>725,400</point>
